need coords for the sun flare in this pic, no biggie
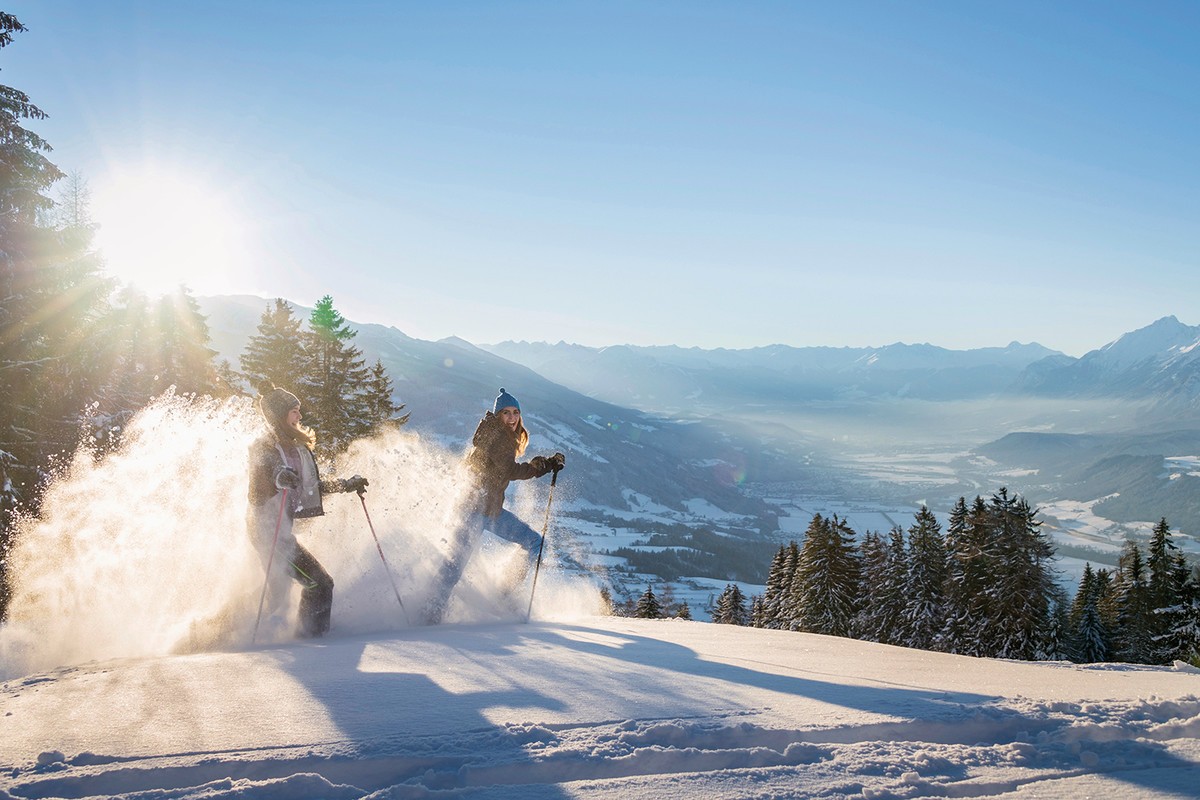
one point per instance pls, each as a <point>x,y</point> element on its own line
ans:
<point>159,228</point>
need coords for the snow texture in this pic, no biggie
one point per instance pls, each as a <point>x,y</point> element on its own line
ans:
<point>127,670</point>
<point>596,707</point>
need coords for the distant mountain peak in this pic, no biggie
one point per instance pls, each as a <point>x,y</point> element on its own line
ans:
<point>1158,341</point>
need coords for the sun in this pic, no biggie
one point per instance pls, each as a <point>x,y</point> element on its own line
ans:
<point>160,227</point>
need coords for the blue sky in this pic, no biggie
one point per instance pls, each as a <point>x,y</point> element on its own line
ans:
<point>711,174</point>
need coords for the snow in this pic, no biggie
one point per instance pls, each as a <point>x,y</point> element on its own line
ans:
<point>595,707</point>
<point>556,436</point>
<point>127,669</point>
<point>700,507</point>
<point>1178,466</point>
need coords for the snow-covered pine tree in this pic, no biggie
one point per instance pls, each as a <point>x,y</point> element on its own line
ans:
<point>648,606</point>
<point>1106,604</point>
<point>275,353</point>
<point>1134,611</point>
<point>1089,634</point>
<point>828,578</point>
<point>925,586</point>
<point>1056,643</point>
<point>1024,586</point>
<point>873,556</point>
<point>884,565</point>
<point>971,563</point>
<point>731,607</point>
<point>684,611</point>
<point>756,611</point>
<point>1168,576</point>
<point>779,578</point>
<point>1188,631</point>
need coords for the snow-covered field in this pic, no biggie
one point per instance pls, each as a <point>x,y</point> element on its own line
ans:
<point>127,671</point>
<point>596,707</point>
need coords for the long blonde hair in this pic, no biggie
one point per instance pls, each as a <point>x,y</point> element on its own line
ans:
<point>301,435</point>
<point>522,436</point>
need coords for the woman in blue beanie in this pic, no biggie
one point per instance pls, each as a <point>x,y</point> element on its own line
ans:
<point>500,439</point>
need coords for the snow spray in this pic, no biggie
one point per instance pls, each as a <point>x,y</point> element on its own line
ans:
<point>145,551</point>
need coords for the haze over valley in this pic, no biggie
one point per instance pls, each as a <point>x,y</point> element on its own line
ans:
<point>663,442</point>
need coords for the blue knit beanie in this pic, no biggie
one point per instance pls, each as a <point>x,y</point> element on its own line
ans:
<point>504,400</point>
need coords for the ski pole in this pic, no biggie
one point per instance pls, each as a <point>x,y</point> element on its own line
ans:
<point>270,560</point>
<point>403,610</point>
<point>545,527</point>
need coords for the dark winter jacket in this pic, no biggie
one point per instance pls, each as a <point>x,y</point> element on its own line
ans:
<point>493,457</point>
<point>265,463</point>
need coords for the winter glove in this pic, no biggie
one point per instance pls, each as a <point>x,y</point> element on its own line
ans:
<point>540,464</point>
<point>287,478</point>
<point>355,483</point>
<point>557,461</point>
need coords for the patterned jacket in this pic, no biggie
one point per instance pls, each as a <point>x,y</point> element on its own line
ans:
<point>493,458</point>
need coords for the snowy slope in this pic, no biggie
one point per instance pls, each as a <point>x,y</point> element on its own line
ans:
<point>125,668</point>
<point>595,707</point>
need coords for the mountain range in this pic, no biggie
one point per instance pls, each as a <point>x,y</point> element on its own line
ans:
<point>669,425</point>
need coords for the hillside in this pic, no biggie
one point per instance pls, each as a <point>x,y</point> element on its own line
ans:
<point>598,708</point>
<point>750,443</point>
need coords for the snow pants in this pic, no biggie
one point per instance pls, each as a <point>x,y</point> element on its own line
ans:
<point>316,592</point>
<point>267,530</point>
<point>462,546</point>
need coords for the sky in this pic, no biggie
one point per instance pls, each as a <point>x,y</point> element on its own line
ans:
<point>705,174</point>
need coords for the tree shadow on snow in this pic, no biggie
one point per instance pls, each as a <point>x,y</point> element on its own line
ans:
<point>405,732</point>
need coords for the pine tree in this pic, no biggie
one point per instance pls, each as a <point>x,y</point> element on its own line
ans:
<point>25,173</point>
<point>873,554</point>
<point>826,585</point>
<point>1023,590</point>
<point>184,358</point>
<point>756,611</point>
<point>967,564</point>
<point>1188,630</point>
<point>1134,611</point>
<point>334,381</point>
<point>731,607</point>
<point>779,582</point>
<point>925,585</point>
<point>1055,644</point>
<point>151,347</point>
<point>884,567</point>
<point>1168,576</point>
<point>972,562</point>
<point>684,612</point>
<point>648,606</point>
<point>1089,633</point>
<point>377,396</point>
<point>275,353</point>
<point>1106,604</point>
<point>51,294</point>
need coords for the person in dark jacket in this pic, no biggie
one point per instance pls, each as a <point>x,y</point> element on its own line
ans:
<point>499,440</point>
<point>282,465</point>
